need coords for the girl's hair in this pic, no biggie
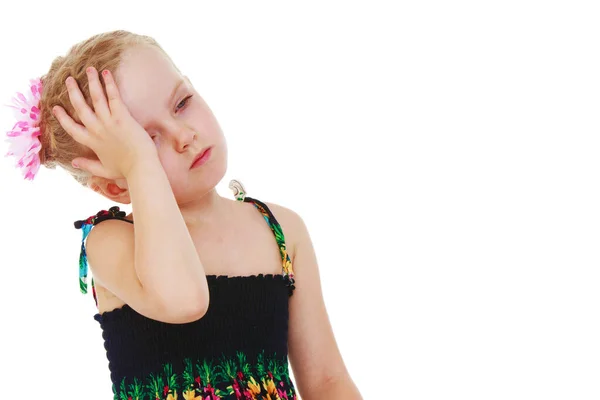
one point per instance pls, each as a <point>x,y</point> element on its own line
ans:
<point>102,51</point>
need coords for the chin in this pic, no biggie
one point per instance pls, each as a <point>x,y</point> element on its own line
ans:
<point>198,184</point>
<point>214,174</point>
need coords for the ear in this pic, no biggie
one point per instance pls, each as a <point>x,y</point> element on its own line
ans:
<point>112,189</point>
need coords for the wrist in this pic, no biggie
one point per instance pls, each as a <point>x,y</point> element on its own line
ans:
<point>146,163</point>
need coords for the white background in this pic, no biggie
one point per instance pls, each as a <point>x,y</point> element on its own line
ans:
<point>445,156</point>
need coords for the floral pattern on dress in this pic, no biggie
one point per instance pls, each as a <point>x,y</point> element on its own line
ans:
<point>225,378</point>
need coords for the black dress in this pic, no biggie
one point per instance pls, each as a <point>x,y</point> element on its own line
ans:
<point>238,350</point>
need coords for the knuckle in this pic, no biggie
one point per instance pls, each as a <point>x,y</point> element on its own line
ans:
<point>95,96</point>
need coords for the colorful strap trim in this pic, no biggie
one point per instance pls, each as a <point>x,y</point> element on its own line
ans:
<point>240,194</point>
<point>86,226</point>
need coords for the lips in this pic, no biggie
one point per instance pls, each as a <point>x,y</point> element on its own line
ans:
<point>202,157</point>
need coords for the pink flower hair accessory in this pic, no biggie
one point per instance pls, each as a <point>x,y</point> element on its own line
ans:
<point>23,139</point>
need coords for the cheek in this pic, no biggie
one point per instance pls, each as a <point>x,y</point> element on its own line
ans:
<point>205,121</point>
<point>168,162</point>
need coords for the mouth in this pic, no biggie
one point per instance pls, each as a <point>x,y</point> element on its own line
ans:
<point>202,157</point>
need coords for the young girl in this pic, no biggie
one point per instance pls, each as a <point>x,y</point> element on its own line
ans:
<point>198,296</point>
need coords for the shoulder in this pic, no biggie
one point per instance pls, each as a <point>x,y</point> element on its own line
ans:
<point>108,241</point>
<point>291,222</point>
<point>110,229</point>
<point>107,224</point>
<point>292,225</point>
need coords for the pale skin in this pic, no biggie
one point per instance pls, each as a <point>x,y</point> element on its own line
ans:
<point>142,140</point>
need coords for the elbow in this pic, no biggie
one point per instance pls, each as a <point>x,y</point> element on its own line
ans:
<point>189,313</point>
<point>186,308</point>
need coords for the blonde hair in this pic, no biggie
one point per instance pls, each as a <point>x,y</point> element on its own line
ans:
<point>102,51</point>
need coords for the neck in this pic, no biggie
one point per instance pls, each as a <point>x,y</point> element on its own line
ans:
<point>204,210</point>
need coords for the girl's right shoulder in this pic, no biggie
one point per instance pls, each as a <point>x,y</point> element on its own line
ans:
<point>108,246</point>
<point>107,235</point>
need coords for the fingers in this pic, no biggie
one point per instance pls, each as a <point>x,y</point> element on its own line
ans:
<point>112,91</point>
<point>77,131</point>
<point>97,94</point>
<point>85,113</point>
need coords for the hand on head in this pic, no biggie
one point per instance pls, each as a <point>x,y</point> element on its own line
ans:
<point>108,129</point>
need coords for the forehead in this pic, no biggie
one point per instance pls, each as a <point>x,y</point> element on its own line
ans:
<point>146,78</point>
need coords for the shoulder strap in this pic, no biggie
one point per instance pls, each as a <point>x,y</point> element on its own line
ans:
<point>287,270</point>
<point>86,226</point>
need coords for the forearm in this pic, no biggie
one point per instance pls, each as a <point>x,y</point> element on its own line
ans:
<point>166,260</point>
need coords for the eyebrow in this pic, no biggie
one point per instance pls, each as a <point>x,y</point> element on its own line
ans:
<point>175,89</point>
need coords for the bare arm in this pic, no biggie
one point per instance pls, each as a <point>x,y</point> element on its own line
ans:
<point>153,266</point>
<point>318,366</point>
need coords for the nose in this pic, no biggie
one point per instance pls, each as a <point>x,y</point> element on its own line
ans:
<point>184,138</point>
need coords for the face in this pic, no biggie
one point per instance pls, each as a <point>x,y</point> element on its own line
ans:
<point>177,119</point>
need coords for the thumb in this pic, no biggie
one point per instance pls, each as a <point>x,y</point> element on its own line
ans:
<point>94,167</point>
